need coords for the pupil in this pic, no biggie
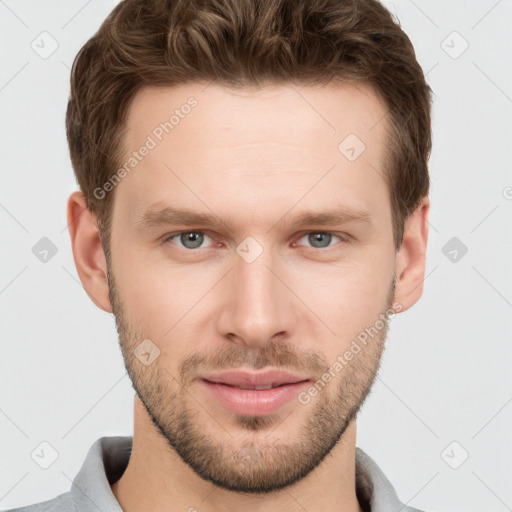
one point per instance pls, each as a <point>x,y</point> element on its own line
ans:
<point>320,239</point>
<point>191,240</point>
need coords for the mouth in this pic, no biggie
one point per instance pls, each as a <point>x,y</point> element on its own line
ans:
<point>251,393</point>
<point>244,379</point>
<point>253,388</point>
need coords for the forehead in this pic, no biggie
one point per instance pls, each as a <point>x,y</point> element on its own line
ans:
<point>279,112</point>
<point>216,141</point>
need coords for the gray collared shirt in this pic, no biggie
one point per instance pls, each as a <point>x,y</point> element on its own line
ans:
<point>108,457</point>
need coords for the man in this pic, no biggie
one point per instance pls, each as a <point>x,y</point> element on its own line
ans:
<point>253,210</point>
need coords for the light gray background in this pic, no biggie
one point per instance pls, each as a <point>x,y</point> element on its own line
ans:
<point>446,371</point>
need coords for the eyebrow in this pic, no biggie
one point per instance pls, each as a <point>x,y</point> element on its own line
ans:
<point>179,216</point>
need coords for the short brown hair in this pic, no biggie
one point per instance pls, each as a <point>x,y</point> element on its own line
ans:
<point>246,43</point>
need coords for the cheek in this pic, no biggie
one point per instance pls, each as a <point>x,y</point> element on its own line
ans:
<point>167,301</point>
<point>171,301</point>
<point>346,297</point>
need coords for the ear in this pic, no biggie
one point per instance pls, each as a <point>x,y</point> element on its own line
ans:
<point>88,252</point>
<point>410,260</point>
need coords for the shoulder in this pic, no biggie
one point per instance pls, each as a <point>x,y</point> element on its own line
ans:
<point>61,503</point>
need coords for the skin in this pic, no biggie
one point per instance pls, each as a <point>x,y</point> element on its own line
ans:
<point>253,158</point>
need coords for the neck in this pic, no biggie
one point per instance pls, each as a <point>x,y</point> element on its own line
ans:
<point>157,479</point>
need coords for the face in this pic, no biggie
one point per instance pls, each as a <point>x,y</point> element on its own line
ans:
<point>290,268</point>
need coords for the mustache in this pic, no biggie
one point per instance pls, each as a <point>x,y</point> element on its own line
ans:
<point>278,355</point>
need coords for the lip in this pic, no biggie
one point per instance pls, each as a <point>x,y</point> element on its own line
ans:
<point>252,401</point>
<point>244,378</point>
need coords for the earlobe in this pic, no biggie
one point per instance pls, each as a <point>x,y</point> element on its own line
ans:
<point>88,251</point>
<point>411,258</point>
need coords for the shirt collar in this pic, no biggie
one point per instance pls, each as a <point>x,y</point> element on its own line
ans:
<point>108,458</point>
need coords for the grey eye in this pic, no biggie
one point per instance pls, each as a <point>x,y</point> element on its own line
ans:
<point>192,239</point>
<point>319,240</point>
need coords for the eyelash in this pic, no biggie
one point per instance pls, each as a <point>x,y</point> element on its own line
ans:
<point>169,237</point>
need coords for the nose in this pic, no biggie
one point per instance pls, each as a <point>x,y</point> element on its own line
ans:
<point>258,305</point>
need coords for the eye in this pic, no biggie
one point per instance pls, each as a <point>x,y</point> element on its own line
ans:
<point>195,239</point>
<point>188,239</point>
<point>320,239</point>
